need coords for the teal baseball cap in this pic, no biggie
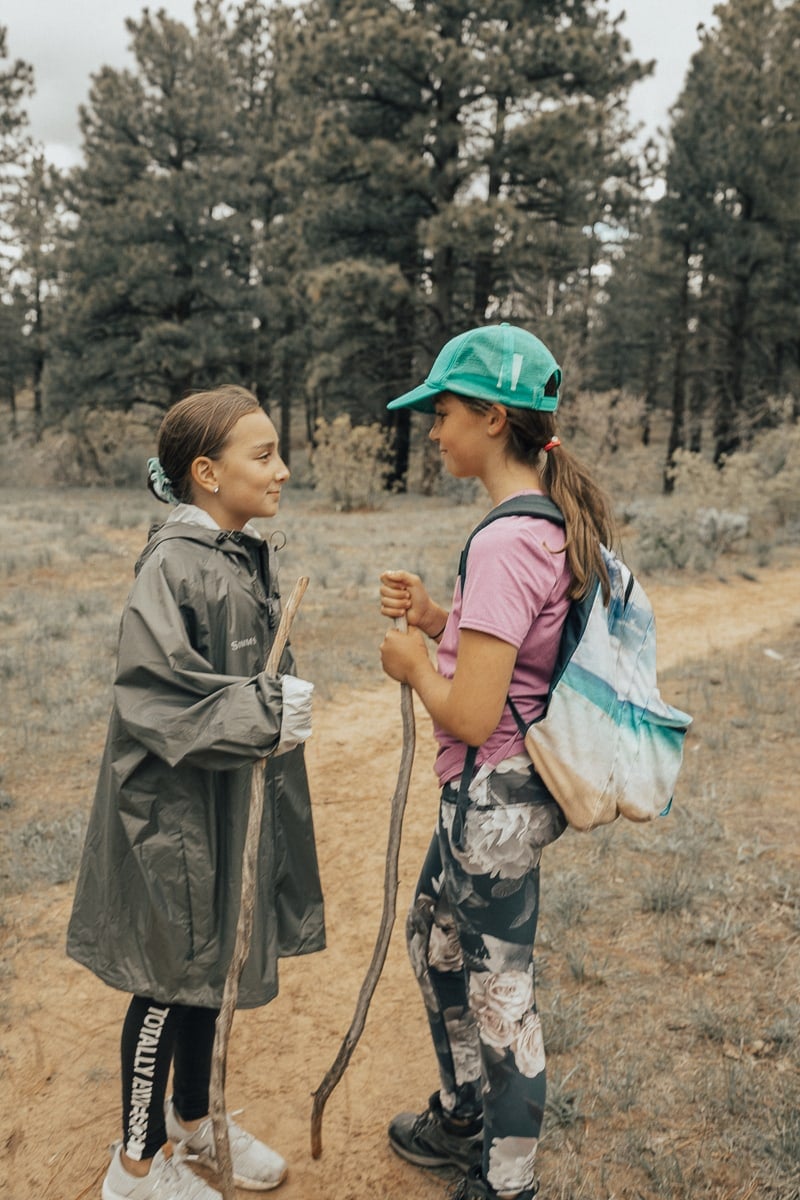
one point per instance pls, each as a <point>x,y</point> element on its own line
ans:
<point>499,363</point>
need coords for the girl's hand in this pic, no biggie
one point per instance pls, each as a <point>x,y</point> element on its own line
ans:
<point>405,595</point>
<point>404,655</point>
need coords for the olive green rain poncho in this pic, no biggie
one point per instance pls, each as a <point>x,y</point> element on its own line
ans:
<point>158,892</point>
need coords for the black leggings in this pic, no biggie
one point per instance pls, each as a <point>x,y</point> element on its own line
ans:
<point>155,1036</point>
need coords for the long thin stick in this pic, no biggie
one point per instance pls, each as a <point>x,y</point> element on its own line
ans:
<point>373,974</point>
<point>244,926</point>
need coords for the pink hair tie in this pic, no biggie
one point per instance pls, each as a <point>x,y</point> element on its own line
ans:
<point>551,445</point>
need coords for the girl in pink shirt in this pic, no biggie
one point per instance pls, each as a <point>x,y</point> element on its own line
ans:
<point>471,927</point>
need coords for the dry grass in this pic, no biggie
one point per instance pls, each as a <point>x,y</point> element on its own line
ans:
<point>671,965</point>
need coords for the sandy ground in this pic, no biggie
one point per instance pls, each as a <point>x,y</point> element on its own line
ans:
<point>59,1108</point>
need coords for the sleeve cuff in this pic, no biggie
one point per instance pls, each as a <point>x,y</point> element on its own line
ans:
<point>296,714</point>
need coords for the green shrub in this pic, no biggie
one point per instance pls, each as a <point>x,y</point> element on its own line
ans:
<point>349,464</point>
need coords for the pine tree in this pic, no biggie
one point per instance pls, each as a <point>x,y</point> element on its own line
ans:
<point>732,182</point>
<point>34,215</point>
<point>634,323</point>
<point>158,294</point>
<point>459,157</point>
<point>273,119</point>
<point>16,85</point>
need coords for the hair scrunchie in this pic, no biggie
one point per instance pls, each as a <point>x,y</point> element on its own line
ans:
<point>552,444</point>
<point>160,481</point>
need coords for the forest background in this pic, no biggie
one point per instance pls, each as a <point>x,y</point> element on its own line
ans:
<point>310,199</point>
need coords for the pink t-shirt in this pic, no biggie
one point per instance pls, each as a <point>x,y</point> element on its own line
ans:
<point>516,590</point>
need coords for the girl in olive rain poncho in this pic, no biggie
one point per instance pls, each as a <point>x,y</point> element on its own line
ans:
<point>158,892</point>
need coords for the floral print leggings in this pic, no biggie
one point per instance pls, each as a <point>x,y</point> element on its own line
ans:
<point>470,934</point>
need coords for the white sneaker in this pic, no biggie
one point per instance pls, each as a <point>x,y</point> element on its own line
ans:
<point>256,1167</point>
<point>167,1179</point>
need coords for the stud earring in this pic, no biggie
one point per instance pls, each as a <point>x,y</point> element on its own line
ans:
<point>216,490</point>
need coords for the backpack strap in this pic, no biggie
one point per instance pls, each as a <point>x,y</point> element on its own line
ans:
<point>518,506</point>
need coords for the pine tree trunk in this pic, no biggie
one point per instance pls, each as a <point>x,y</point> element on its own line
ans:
<point>678,374</point>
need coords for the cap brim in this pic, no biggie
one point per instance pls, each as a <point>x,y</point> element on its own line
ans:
<point>421,399</point>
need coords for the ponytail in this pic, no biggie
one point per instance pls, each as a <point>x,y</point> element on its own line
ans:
<point>586,507</point>
<point>588,516</point>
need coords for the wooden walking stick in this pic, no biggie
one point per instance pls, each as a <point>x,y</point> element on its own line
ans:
<point>372,976</point>
<point>244,926</point>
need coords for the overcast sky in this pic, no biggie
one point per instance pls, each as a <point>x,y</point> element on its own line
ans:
<point>67,42</point>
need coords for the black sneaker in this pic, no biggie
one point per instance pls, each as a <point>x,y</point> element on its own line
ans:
<point>429,1139</point>
<point>474,1187</point>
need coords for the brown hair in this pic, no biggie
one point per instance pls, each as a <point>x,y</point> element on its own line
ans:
<point>586,507</point>
<point>198,427</point>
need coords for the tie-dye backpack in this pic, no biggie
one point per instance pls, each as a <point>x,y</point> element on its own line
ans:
<point>607,744</point>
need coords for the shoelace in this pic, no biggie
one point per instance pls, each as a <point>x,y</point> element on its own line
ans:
<point>206,1132</point>
<point>424,1120</point>
<point>172,1176</point>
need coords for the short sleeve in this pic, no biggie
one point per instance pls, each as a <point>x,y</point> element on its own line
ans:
<point>513,567</point>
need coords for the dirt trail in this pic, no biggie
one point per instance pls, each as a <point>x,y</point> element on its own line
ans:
<point>694,620</point>
<point>59,1107</point>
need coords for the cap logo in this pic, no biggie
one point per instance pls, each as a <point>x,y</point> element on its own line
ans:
<point>503,363</point>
